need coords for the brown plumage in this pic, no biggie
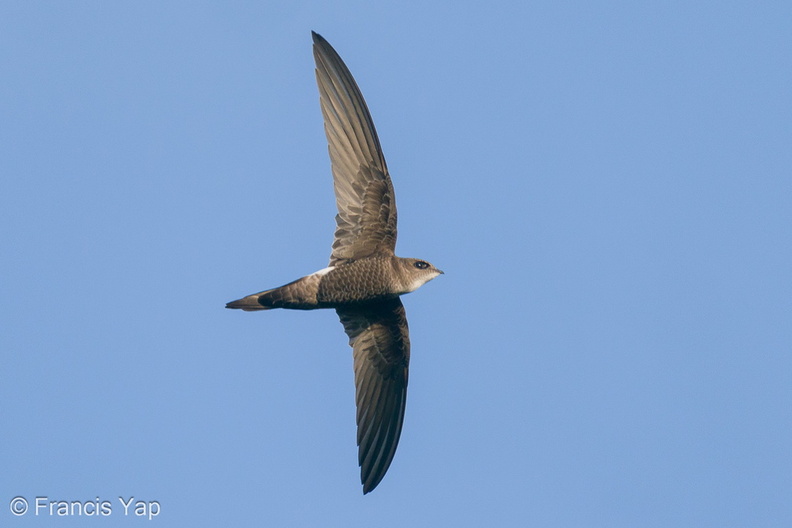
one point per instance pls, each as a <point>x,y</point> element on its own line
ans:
<point>364,279</point>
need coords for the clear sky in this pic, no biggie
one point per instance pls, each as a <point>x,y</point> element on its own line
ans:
<point>607,185</point>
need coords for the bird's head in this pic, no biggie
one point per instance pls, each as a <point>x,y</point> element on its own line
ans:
<point>416,272</point>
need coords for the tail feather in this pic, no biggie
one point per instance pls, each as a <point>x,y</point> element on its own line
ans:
<point>249,303</point>
<point>297,295</point>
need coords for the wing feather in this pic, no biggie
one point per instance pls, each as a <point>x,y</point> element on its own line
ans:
<point>366,220</point>
<point>380,342</point>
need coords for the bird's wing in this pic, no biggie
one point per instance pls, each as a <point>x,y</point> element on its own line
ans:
<point>380,342</point>
<point>366,220</point>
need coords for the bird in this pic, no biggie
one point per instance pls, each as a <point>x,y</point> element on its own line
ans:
<point>364,279</point>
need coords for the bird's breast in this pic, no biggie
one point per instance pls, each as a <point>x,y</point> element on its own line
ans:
<point>359,281</point>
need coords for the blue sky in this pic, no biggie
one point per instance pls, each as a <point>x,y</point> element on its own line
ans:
<point>607,185</point>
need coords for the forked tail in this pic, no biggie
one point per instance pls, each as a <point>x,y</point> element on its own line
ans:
<point>297,295</point>
<point>249,303</point>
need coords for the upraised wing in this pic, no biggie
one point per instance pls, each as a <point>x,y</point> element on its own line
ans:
<point>366,220</point>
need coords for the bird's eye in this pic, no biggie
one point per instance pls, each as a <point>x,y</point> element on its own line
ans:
<point>421,264</point>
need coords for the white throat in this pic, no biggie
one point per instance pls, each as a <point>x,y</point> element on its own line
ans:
<point>417,282</point>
